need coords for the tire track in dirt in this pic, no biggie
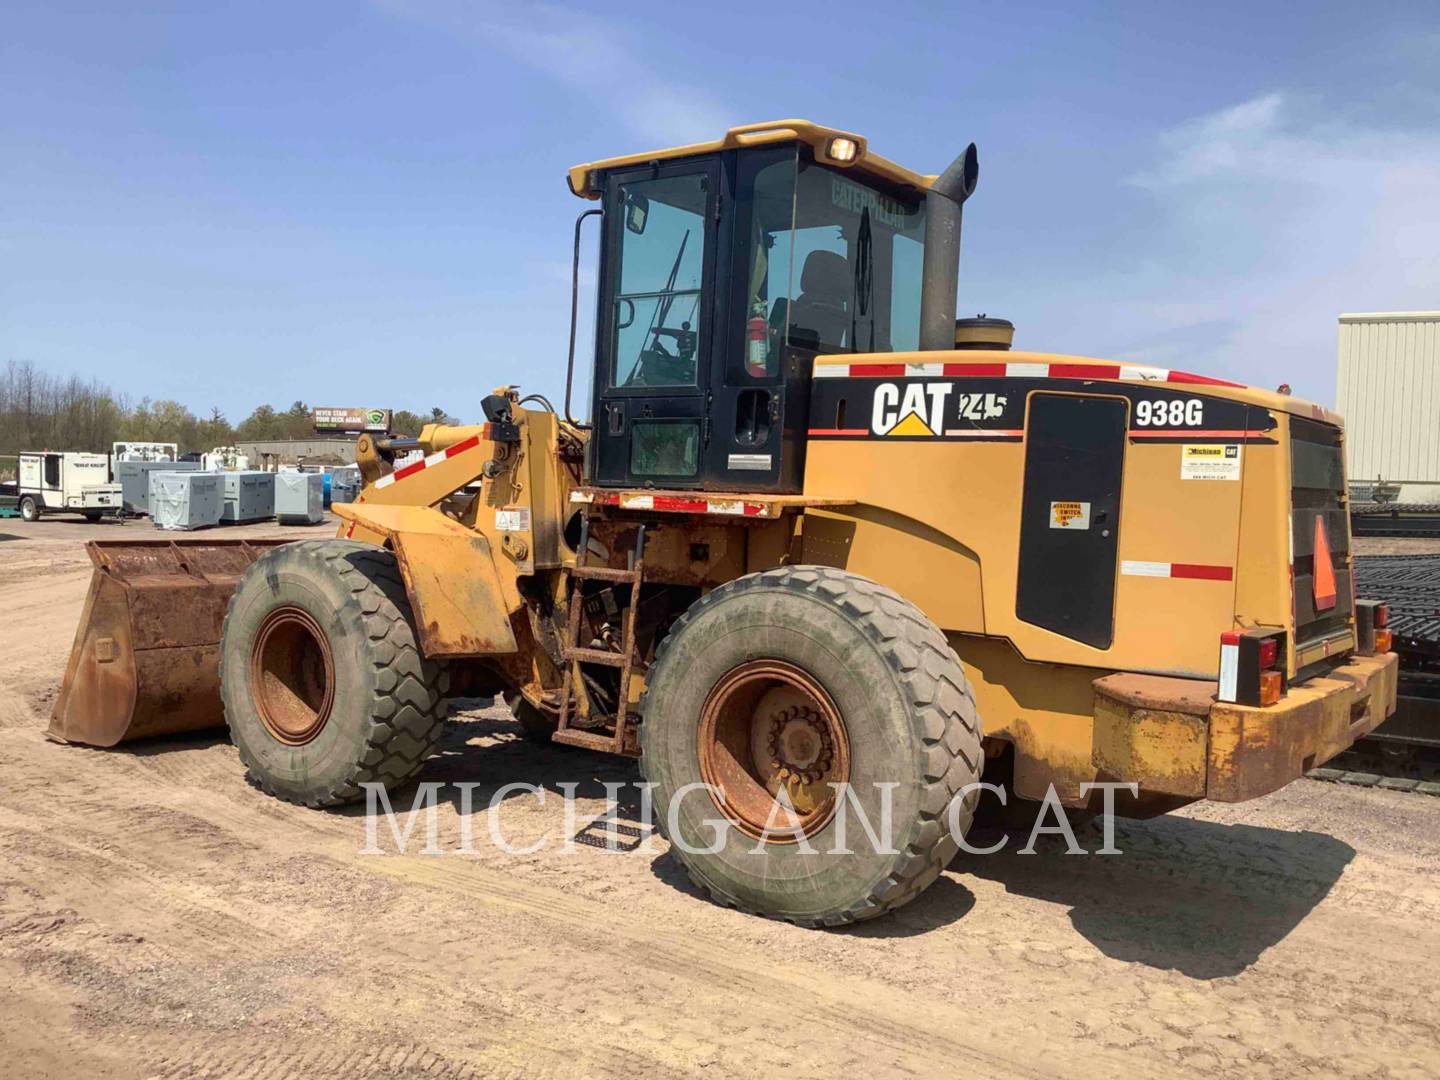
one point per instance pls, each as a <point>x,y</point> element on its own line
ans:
<point>116,828</point>
<point>725,973</point>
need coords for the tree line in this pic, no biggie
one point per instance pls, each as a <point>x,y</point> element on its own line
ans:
<point>40,411</point>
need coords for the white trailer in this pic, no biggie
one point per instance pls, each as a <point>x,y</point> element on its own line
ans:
<point>72,482</point>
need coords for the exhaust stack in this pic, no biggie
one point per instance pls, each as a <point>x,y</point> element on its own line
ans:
<point>942,249</point>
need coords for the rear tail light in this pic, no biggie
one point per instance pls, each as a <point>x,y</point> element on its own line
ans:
<point>1251,666</point>
<point>1371,619</point>
<point>1269,649</point>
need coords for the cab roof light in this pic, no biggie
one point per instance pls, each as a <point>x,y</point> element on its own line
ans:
<point>842,150</point>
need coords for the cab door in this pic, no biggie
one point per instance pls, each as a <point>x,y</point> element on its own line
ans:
<point>655,325</point>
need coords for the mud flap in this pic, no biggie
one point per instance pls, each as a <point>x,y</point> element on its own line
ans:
<point>461,605</point>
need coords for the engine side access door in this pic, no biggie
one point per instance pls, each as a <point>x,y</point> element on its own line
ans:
<point>1070,515</point>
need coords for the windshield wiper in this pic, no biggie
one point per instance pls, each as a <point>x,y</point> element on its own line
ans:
<point>662,309</point>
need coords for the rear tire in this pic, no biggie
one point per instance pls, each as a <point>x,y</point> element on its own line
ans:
<point>888,703</point>
<point>324,684</point>
<point>29,509</point>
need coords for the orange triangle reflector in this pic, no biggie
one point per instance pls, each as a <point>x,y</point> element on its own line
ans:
<point>1324,568</point>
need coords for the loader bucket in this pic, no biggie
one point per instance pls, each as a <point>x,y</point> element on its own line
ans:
<point>146,658</point>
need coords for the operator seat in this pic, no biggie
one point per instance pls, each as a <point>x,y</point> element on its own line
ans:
<point>822,308</point>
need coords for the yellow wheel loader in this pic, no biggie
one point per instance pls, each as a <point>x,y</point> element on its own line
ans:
<point>821,551</point>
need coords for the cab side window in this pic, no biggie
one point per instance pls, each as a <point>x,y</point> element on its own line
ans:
<point>661,262</point>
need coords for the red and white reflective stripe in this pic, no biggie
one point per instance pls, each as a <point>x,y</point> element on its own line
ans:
<point>1018,370</point>
<point>1200,571</point>
<point>1229,665</point>
<point>675,504</point>
<point>425,463</point>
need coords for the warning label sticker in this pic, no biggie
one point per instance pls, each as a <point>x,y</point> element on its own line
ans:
<point>513,519</point>
<point>1210,461</point>
<point>1069,515</point>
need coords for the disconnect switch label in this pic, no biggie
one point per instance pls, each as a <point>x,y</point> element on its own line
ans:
<point>1210,461</point>
<point>1069,515</point>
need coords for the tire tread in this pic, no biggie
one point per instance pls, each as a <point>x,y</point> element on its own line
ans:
<point>408,711</point>
<point>945,717</point>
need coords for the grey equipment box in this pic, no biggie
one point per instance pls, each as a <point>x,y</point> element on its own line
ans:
<point>184,500</point>
<point>344,485</point>
<point>299,498</point>
<point>246,496</point>
<point>134,480</point>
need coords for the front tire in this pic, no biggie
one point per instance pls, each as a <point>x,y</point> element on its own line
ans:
<point>29,509</point>
<point>324,684</point>
<point>864,691</point>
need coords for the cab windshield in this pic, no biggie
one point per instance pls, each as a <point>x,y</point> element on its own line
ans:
<point>830,261</point>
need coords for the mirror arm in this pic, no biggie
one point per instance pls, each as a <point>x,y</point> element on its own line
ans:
<point>574,314</point>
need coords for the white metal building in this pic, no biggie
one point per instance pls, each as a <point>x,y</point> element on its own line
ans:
<point>1388,390</point>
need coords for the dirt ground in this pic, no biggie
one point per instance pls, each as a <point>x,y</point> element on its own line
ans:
<point>161,918</point>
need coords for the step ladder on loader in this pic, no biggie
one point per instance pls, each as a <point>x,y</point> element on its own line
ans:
<point>623,740</point>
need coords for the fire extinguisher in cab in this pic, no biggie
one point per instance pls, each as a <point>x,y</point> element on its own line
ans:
<point>757,346</point>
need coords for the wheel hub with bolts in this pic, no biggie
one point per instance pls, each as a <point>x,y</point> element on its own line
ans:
<point>801,747</point>
<point>773,744</point>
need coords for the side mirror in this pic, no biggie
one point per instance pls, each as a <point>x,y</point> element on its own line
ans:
<point>637,212</point>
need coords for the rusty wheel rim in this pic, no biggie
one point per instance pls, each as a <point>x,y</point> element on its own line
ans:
<point>292,676</point>
<point>767,725</point>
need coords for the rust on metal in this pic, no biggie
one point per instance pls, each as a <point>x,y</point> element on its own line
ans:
<point>455,590</point>
<point>292,675</point>
<point>767,727</point>
<point>461,605</point>
<point>1254,751</point>
<point>1153,729</point>
<point>1172,737</point>
<point>146,657</point>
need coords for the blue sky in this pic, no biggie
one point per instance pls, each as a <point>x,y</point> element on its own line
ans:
<point>364,203</point>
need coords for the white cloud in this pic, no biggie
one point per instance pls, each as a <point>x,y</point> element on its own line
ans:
<point>1276,216</point>
<point>593,56</point>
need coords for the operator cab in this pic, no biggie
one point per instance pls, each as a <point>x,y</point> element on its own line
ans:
<point>725,268</point>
